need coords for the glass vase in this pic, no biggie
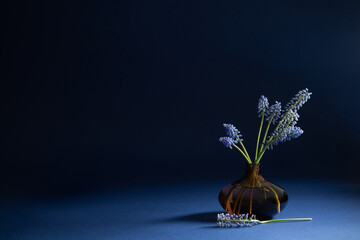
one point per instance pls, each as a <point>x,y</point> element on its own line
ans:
<point>253,194</point>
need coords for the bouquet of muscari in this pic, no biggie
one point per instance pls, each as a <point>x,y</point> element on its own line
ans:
<point>285,121</point>
<point>285,130</point>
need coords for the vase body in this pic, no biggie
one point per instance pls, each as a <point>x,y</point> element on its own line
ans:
<point>254,195</point>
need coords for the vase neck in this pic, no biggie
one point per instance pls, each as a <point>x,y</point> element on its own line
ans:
<point>252,169</point>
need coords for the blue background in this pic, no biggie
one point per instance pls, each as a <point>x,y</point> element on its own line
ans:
<point>106,96</point>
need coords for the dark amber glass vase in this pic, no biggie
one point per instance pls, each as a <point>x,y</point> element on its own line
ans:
<point>254,195</point>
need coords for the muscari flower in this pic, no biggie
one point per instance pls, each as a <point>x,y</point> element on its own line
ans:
<point>286,130</point>
<point>233,220</point>
<point>232,132</point>
<point>274,112</point>
<point>294,132</point>
<point>228,141</point>
<point>262,105</point>
<point>298,100</point>
<point>286,135</point>
<point>290,119</point>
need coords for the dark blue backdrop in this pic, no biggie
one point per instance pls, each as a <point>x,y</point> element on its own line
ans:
<point>99,93</point>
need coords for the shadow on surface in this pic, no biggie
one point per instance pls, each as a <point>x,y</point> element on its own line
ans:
<point>207,217</point>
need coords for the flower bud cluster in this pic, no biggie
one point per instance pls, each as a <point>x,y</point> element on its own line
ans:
<point>232,220</point>
<point>263,105</point>
<point>233,136</point>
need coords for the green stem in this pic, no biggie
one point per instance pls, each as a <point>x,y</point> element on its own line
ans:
<point>242,145</point>
<point>259,134</point>
<point>263,142</point>
<point>287,219</point>
<point>247,159</point>
<point>261,154</point>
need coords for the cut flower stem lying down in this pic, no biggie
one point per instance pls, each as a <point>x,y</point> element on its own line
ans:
<point>244,220</point>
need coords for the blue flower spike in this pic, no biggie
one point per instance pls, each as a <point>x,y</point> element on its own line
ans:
<point>228,142</point>
<point>232,132</point>
<point>273,112</point>
<point>262,105</point>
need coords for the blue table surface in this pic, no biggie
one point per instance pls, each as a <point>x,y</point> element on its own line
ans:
<point>180,211</point>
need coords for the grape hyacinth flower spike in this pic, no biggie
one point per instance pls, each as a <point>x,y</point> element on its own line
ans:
<point>233,137</point>
<point>298,100</point>
<point>232,132</point>
<point>262,105</point>
<point>228,142</point>
<point>274,112</point>
<point>245,220</point>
